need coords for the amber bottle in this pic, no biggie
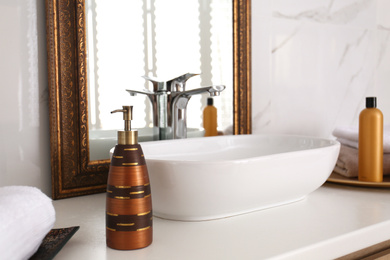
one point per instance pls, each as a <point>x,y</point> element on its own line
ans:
<point>128,203</point>
<point>210,119</point>
<point>371,143</point>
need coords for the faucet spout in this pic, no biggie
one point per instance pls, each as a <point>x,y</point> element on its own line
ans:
<point>179,107</point>
<point>135,92</point>
<point>212,90</point>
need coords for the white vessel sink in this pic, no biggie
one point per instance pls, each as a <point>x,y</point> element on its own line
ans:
<point>215,177</point>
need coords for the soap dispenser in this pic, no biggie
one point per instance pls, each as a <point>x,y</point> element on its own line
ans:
<point>128,202</point>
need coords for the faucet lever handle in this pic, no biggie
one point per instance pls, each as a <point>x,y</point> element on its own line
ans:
<point>178,84</point>
<point>157,85</point>
<point>174,85</point>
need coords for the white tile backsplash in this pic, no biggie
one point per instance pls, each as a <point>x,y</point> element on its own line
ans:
<point>313,64</point>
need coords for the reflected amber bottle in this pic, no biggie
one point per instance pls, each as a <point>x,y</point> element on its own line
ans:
<point>210,119</point>
<point>371,143</point>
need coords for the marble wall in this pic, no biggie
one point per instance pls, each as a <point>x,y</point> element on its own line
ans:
<point>314,62</point>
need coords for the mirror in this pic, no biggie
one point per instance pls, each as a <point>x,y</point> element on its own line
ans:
<point>161,39</point>
<point>73,173</point>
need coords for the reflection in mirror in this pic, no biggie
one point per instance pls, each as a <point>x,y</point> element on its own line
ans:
<point>161,39</point>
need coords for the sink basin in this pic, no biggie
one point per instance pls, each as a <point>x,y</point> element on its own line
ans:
<point>216,177</point>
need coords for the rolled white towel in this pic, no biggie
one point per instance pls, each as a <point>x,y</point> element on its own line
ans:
<point>26,216</point>
<point>350,136</point>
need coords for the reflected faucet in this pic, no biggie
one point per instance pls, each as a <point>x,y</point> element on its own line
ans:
<point>169,101</point>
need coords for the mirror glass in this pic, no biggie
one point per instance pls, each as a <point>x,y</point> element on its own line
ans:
<point>161,39</point>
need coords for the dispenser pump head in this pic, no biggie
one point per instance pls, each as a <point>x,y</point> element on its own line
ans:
<point>127,136</point>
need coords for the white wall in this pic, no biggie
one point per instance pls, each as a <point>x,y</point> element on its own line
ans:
<point>24,124</point>
<point>313,64</point>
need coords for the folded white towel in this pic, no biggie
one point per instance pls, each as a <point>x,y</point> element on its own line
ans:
<point>26,216</point>
<point>350,137</point>
<point>347,163</point>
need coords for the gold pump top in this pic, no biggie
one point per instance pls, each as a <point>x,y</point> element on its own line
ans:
<point>127,136</point>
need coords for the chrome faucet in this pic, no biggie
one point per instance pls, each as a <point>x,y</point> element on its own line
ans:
<point>169,101</point>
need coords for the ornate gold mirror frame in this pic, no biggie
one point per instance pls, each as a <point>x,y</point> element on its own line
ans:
<point>73,174</point>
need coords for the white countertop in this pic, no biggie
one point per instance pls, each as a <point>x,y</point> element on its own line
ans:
<point>332,221</point>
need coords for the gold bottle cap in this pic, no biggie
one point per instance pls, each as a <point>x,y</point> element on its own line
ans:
<point>127,136</point>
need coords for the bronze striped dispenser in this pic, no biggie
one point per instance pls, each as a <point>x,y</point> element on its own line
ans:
<point>129,203</point>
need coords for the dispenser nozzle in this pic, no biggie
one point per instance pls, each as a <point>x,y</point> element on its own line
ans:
<point>127,136</point>
<point>127,116</point>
